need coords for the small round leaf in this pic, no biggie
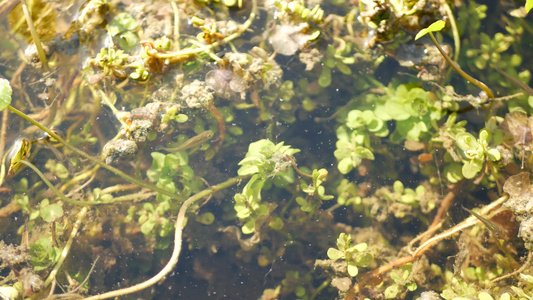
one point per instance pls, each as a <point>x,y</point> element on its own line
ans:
<point>52,212</point>
<point>353,270</point>
<point>335,254</point>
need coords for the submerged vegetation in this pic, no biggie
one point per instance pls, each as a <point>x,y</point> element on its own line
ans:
<point>270,149</point>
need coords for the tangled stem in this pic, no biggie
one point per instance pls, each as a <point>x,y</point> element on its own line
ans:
<point>177,243</point>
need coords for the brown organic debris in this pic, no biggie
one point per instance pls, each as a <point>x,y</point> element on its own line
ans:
<point>521,204</point>
<point>288,39</point>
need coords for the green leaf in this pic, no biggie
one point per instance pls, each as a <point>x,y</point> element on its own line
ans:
<point>354,119</point>
<point>325,77</point>
<point>330,62</point>
<point>34,214</point>
<point>398,110</point>
<point>50,213</point>
<point>247,169</point>
<point>353,270</point>
<point>343,240</point>
<point>181,118</point>
<point>364,153</point>
<point>484,296</point>
<point>345,165</point>
<point>359,247</point>
<point>529,5</point>
<point>299,291</point>
<point>466,141</point>
<point>437,26</point>
<point>248,227</point>
<point>411,286</point>
<point>128,41</point>
<point>365,259</point>
<point>206,219</point>
<point>5,94</point>
<point>453,172</point>
<point>335,254</point>
<point>148,227</point>
<point>343,68</point>
<point>397,186</point>
<point>276,223</point>
<point>396,277</point>
<point>43,254</point>
<point>392,291</point>
<point>505,296</point>
<point>331,50</point>
<point>471,168</point>
<point>485,136</point>
<point>165,227</point>
<point>494,155</point>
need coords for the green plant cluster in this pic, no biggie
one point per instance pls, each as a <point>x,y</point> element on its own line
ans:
<point>172,173</point>
<point>412,111</point>
<point>356,256</point>
<point>476,151</point>
<point>336,58</point>
<point>402,282</point>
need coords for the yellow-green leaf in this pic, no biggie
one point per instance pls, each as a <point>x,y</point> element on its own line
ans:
<point>335,254</point>
<point>5,94</point>
<point>437,26</point>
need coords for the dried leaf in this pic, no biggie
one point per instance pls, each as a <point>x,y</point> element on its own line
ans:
<point>520,193</point>
<point>517,130</point>
<point>225,83</point>
<point>288,39</point>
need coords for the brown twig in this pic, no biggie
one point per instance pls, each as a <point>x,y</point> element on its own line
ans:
<point>444,207</point>
<point>171,264</point>
<point>526,264</point>
<point>375,276</point>
<point>288,157</point>
<point>221,125</point>
<point>3,132</point>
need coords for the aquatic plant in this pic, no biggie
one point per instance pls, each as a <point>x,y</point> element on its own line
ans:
<point>356,256</point>
<point>402,282</point>
<point>437,26</point>
<point>177,102</point>
<point>476,151</point>
<point>338,57</point>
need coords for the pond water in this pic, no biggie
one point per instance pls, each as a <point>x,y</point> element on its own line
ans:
<point>275,149</point>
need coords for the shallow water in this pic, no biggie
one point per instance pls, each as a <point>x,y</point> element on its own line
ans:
<point>344,83</point>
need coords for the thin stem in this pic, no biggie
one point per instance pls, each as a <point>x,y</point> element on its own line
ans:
<point>445,206</point>
<point>176,25</point>
<point>190,52</point>
<point>375,275</point>
<point>455,29</point>
<point>317,291</point>
<point>3,131</point>
<point>78,178</point>
<point>56,191</point>
<point>67,247</point>
<point>521,269</point>
<point>177,243</point>
<point>221,125</point>
<point>141,196</point>
<point>296,167</point>
<point>36,40</point>
<point>458,69</point>
<point>94,160</point>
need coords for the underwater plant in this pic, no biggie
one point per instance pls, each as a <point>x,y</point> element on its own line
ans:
<point>265,150</point>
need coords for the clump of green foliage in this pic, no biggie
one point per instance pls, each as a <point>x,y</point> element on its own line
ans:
<point>356,256</point>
